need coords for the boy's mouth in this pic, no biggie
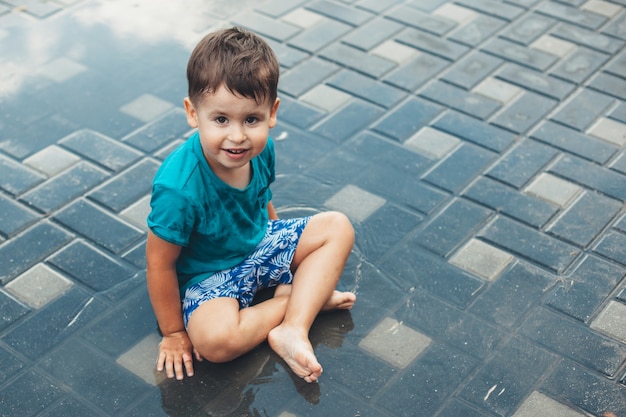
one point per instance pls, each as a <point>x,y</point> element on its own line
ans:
<point>235,151</point>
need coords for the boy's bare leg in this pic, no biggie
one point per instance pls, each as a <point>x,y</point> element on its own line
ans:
<point>221,332</point>
<point>320,257</point>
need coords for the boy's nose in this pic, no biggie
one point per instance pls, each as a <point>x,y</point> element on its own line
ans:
<point>237,135</point>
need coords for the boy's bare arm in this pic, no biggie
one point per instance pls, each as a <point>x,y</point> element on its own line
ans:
<point>271,211</point>
<point>175,351</point>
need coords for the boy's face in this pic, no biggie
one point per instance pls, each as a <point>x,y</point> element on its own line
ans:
<point>233,130</point>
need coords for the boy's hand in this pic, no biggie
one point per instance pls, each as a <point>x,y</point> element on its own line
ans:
<point>175,351</point>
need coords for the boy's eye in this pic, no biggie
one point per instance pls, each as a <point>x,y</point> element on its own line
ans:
<point>221,120</point>
<point>251,120</point>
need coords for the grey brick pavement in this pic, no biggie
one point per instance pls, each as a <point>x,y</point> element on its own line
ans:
<point>477,146</point>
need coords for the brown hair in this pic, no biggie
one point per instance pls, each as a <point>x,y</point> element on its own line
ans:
<point>240,60</point>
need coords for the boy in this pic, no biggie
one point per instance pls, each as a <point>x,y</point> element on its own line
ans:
<point>215,238</point>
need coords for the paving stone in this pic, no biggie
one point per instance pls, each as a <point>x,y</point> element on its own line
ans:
<point>414,269</point>
<point>588,38</point>
<point>481,259</point>
<point>326,98</point>
<point>276,8</point>
<point>512,296</point>
<point>346,14</point>
<point>452,227</point>
<point>98,226</point>
<point>10,365</point>
<point>525,112</point>
<point>574,142</point>
<point>610,131</point>
<point>595,177</point>
<point>372,33</point>
<point>303,18</point>
<point>457,408</point>
<point>266,26</point>
<point>432,23</point>
<point>475,131</point>
<point>348,121</point>
<point>28,248</point>
<point>317,37</point>
<point>101,149</point>
<point>138,213</point>
<point>89,373</point>
<point>69,407</point>
<point>90,267</point>
<point>501,388</point>
<point>619,113</point>
<point>431,44</point>
<point>29,394</point>
<point>10,311</point>
<point>619,164</point>
<point>139,360</point>
<point>358,60</point>
<point>471,69</point>
<point>366,88</point>
<point>14,216</point>
<point>433,375</point>
<point>477,31</point>
<point>528,28</point>
<point>383,229</point>
<point>536,81</point>
<point>461,100</point>
<point>146,107</point>
<point>572,383</point>
<point>495,8</point>
<point>395,343</point>
<point>51,160</point>
<point>468,160</point>
<point>603,8</point>
<point>579,294</point>
<point>432,142</point>
<point>531,244</point>
<point>395,52</point>
<point>553,45</point>
<point>305,76</point>
<point>459,14</point>
<point>355,203</point>
<point>127,187</point>
<point>554,189</point>
<point>616,27</point>
<point>501,198</point>
<point>416,72</point>
<point>38,286</point>
<point>287,56</point>
<point>299,151</point>
<point>585,219</point>
<point>426,5</point>
<point>522,163</point>
<point>571,14</point>
<point>408,118</point>
<point>510,51</point>
<point>611,320</point>
<point>65,187</point>
<point>160,132</point>
<point>613,246</point>
<point>377,6</point>
<point>137,255</point>
<point>54,323</point>
<point>17,178</point>
<point>610,85</point>
<point>580,65</point>
<point>574,341</point>
<point>498,90</point>
<point>450,326</point>
<point>583,110</point>
<point>299,114</point>
<point>540,404</point>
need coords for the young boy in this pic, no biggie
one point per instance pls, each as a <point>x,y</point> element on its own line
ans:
<point>215,239</point>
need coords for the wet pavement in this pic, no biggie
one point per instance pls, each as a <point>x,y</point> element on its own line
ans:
<point>477,146</point>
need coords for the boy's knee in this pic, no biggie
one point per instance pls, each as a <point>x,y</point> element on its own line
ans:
<point>340,225</point>
<point>217,348</point>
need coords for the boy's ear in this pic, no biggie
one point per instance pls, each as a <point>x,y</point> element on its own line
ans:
<point>192,115</point>
<point>273,113</point>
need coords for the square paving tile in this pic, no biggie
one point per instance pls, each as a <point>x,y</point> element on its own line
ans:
<point>554,189</point>
<point>38,286</point>
<point>356,203</point>
<point>326,98</point>
<point>609,130</point>
<point>61,69</point>
<point>603,8</point>
<point>498,90</point>
<point>457,13</point>
<point>146,107</point>
<point>395,343</point>
<point>539,404</point>
<point>138,213</point>
<point>395,51</point>
<point>51,160</point>
<point>554,46</point>
<point>303,18</point>
<point>612,321</point>
<point>141,360</point>
<point>432,142</point>
<point>482,259</point>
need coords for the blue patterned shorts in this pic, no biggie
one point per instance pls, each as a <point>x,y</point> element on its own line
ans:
<point>267,266</point>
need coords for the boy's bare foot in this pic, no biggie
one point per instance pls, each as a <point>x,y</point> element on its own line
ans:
<point>296,351</point>
<point>340,301</point>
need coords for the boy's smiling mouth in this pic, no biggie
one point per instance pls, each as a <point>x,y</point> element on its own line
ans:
<point>235,151</point>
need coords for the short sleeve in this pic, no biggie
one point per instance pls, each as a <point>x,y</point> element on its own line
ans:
<point>172,217</point>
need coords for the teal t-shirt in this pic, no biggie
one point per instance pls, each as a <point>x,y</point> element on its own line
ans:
<point>216,225</point>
